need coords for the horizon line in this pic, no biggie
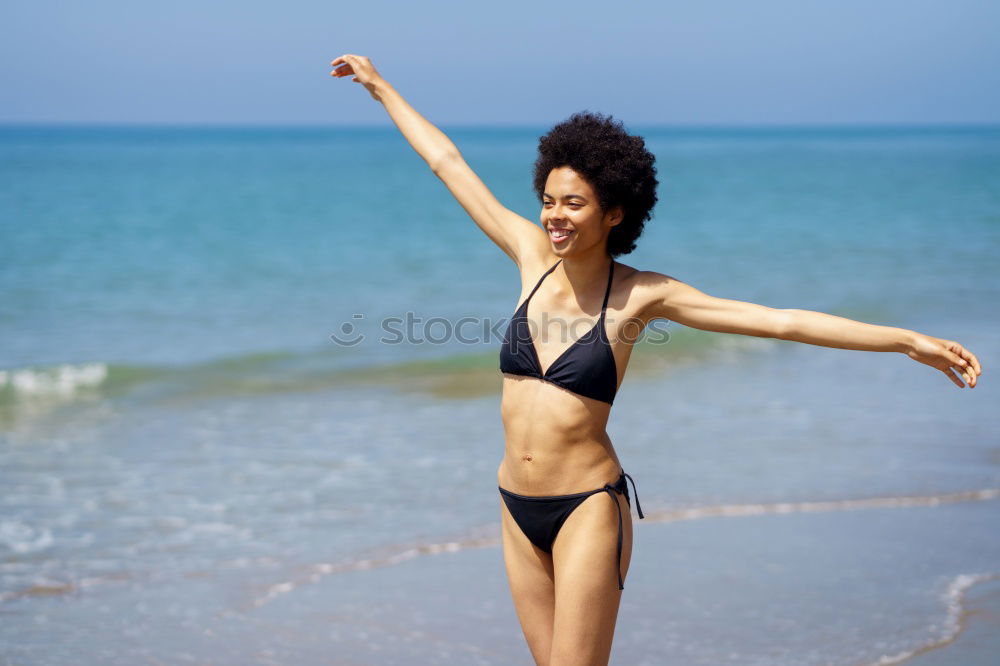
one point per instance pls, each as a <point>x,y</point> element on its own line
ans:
<point>889,124</point>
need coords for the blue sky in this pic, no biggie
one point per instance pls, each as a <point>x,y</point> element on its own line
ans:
<point>695,62</point>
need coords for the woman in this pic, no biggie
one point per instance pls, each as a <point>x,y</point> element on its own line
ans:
<point>564,503</point>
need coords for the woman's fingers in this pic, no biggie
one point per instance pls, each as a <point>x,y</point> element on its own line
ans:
<point>954,359</point>
<point>968,362</point>
<point>950,371</point>
<point>342,66</point>
<point>958,357</point>
<point>957,363</point>
<point>353,61</point>
<point>357,64</point>
<point>969,375</point>
<point>971,358</point>
<point>951,375</point>
<point>339,64</point>
<point>361,69</point>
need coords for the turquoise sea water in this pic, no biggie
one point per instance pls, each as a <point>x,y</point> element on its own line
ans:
<point>184,448</point>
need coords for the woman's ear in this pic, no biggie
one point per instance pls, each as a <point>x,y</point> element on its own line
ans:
<point>615,216</point>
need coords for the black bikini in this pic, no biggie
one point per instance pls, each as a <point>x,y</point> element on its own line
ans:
<point>586,368</point>
<point>540,517</point>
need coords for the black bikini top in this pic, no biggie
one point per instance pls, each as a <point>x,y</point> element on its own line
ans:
<point>586,368</point>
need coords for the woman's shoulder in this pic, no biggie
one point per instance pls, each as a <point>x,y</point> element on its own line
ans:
<point>637,279</point>
<point>643,287</point>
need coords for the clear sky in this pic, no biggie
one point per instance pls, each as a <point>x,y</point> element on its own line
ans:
<point>508,62</point>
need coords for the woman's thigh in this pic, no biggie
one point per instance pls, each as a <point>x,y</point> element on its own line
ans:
<point>529,573</point>
<point>585,561</point>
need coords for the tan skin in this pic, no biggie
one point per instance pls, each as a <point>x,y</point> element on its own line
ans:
<point>556,441</point>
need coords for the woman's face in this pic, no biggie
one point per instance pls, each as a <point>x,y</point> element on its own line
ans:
<point>571,214</point>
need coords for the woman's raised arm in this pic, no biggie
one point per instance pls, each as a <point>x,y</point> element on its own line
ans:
<point>511,232</point>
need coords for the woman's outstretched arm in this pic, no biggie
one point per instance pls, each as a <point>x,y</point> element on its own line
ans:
<point>512,233</point>
<point>668,298</point>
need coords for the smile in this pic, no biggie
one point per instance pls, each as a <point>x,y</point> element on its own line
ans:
<point>560,235</point>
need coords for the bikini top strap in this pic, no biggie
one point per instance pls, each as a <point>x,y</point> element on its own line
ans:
<point>611,275</point>
<point>544,275</point>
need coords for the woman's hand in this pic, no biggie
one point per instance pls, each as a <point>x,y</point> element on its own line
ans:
<point>361,68</point>
<point>945,355</point>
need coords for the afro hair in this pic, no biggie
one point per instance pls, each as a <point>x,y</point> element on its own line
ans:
<point>615,163</point>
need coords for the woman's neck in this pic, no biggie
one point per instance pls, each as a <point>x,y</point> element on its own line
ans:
<point>583,271</point>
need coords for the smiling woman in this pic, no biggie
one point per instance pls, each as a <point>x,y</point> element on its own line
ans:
<point>571,209</point>
<point>564,503</point>
<point>590,149</point>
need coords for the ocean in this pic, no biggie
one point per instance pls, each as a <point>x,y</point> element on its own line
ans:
<point>237,425</point>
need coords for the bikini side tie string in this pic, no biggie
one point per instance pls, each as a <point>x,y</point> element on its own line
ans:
<point>637,507</point>
<point>610,490</point>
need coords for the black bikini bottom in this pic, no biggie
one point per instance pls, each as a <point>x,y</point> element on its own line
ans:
<point>541,517</point>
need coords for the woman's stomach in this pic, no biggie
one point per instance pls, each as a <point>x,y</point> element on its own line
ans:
<point>556,442</point>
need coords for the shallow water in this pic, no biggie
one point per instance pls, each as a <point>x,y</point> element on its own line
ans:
<point>193,471</point>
